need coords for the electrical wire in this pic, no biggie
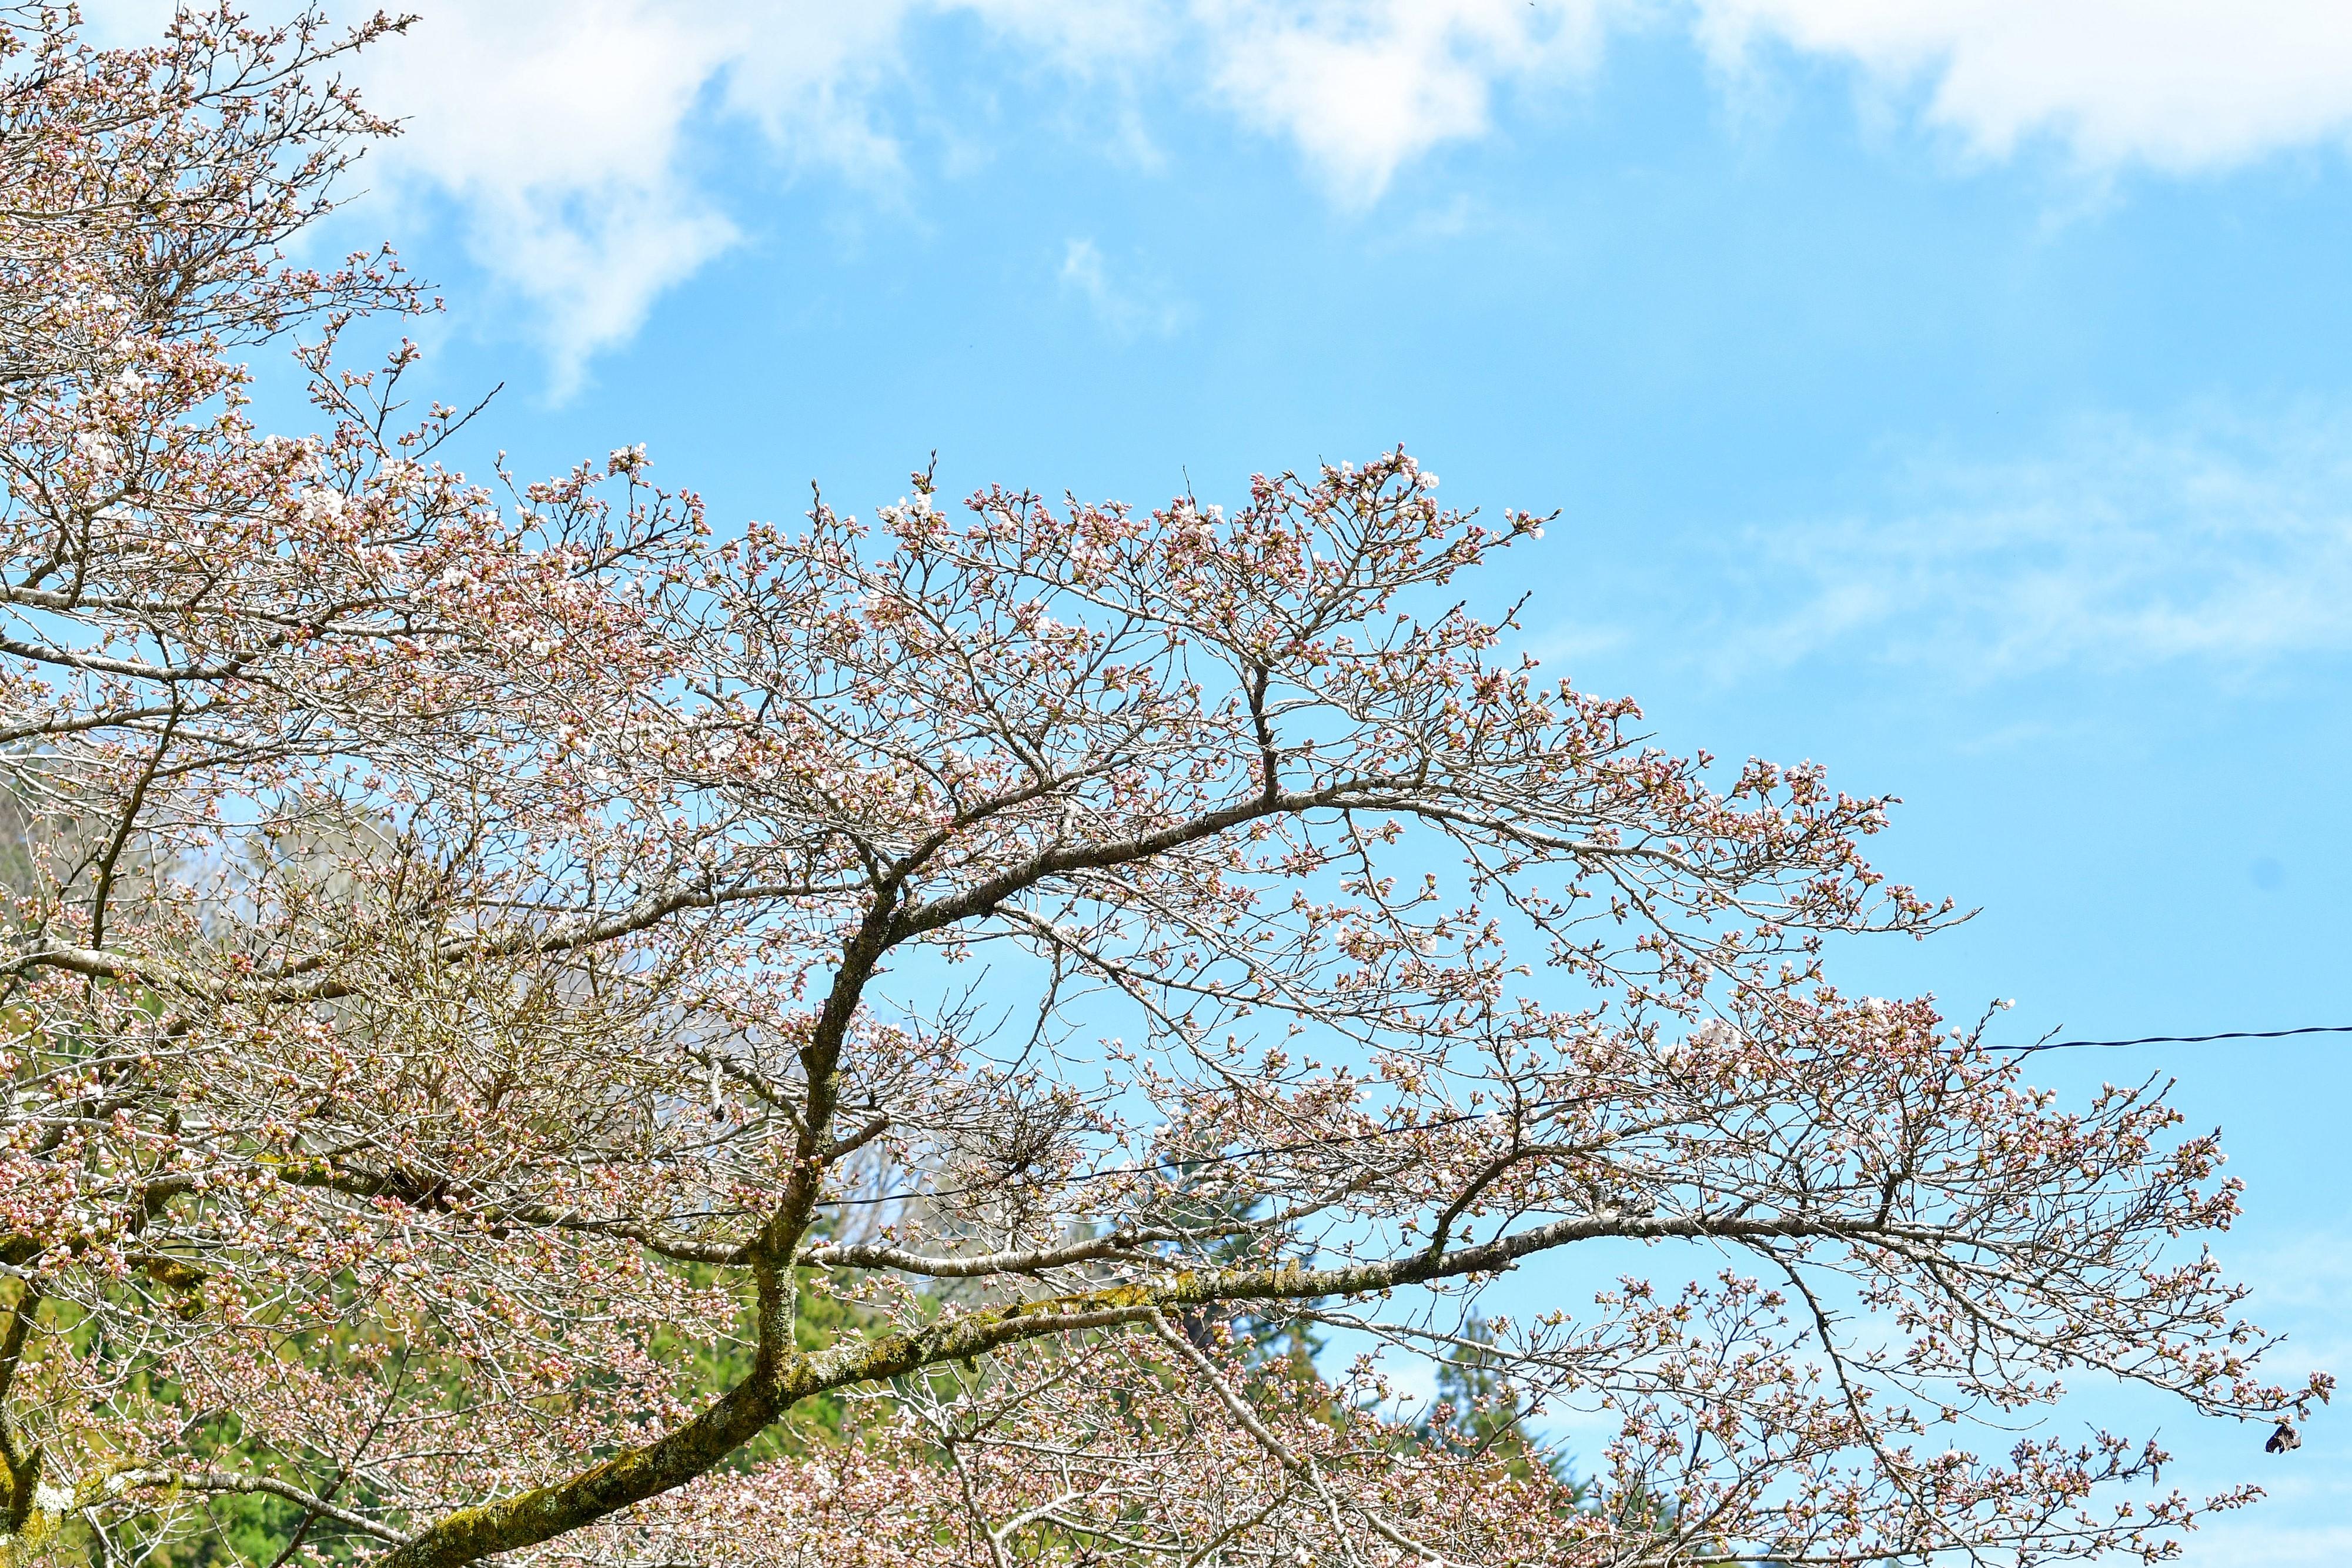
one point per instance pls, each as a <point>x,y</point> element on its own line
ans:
<point>2174,1039</point>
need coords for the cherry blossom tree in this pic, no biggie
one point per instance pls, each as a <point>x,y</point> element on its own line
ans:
<point>515,998</point>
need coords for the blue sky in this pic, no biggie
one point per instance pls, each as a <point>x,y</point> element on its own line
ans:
<point>1956,393</point>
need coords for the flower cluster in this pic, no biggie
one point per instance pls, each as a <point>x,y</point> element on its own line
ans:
<point>532,1028</point>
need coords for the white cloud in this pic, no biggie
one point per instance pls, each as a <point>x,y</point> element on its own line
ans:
<point>2219,537</point>
<point>567,137</point>
<point>1363,86</point>
<point>563,137</point>
<point>1120,309</point>
<point>2178,85</point>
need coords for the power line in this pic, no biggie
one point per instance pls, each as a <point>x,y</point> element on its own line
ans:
<point>2174,1039</point>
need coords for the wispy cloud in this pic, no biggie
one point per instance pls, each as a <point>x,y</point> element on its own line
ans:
<point>2217,536</point>
<point>565,137</point>
<point>1122,310</point>
<point>2177,85</point>
<point>1363,89</point>
<point>564,143</point>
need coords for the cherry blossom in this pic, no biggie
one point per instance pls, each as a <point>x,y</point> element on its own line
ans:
<point>538,1026</point>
